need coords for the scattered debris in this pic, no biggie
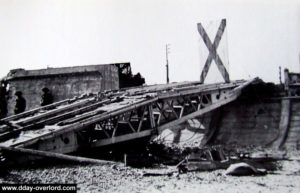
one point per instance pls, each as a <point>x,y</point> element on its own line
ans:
<point>210,158</point>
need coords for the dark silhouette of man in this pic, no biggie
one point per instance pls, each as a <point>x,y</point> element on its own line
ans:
<point>20,103</point>
<point>3,98</point>
<point>46,97</point>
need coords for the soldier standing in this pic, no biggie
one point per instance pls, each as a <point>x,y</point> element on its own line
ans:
<point>20,103</point>
<point>3,99</point>
<point>46,97</point>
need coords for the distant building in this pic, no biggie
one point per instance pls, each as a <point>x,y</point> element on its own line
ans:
<point>62,83</point>
<point>67,82</point>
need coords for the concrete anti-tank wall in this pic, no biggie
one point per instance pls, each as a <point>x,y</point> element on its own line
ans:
<point>293,137</point>
<point>249,124</point>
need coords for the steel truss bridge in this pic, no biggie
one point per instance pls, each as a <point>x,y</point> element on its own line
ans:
<point>112,117</point>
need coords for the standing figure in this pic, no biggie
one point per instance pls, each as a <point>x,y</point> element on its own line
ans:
<point>20,103</point>
<point>46,97</point>
<point>3,98</point>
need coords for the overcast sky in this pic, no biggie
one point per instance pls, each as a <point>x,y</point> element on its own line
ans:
<point>260,37</point>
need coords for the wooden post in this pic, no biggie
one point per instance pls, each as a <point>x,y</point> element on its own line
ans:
<point>167,65</point>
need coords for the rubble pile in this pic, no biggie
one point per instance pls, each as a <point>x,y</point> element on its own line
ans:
<point>117,178</point>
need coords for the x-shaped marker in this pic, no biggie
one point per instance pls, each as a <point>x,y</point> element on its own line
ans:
<point>213,51</point>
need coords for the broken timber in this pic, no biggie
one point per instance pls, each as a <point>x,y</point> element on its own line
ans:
<point>119,117</point>
<point>60,156</point>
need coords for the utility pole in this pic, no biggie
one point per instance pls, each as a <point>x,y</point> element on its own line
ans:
<point>167,65</point>
<point>280,75</point>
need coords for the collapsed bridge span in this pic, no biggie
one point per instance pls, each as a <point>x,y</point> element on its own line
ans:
<point>113,117</point>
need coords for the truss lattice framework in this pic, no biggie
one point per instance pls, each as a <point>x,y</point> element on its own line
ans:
<point>155,116</point>
<point>94,123</point>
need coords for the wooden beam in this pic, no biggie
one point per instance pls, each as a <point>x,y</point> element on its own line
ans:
<point>82,110</point>
<point>33,111</point>
<point>60,156</point>
<point>53,112</point>
<point>52,119</point>
<point>203,90</point>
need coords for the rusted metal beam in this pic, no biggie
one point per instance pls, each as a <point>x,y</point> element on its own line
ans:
<point>53,112</point>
